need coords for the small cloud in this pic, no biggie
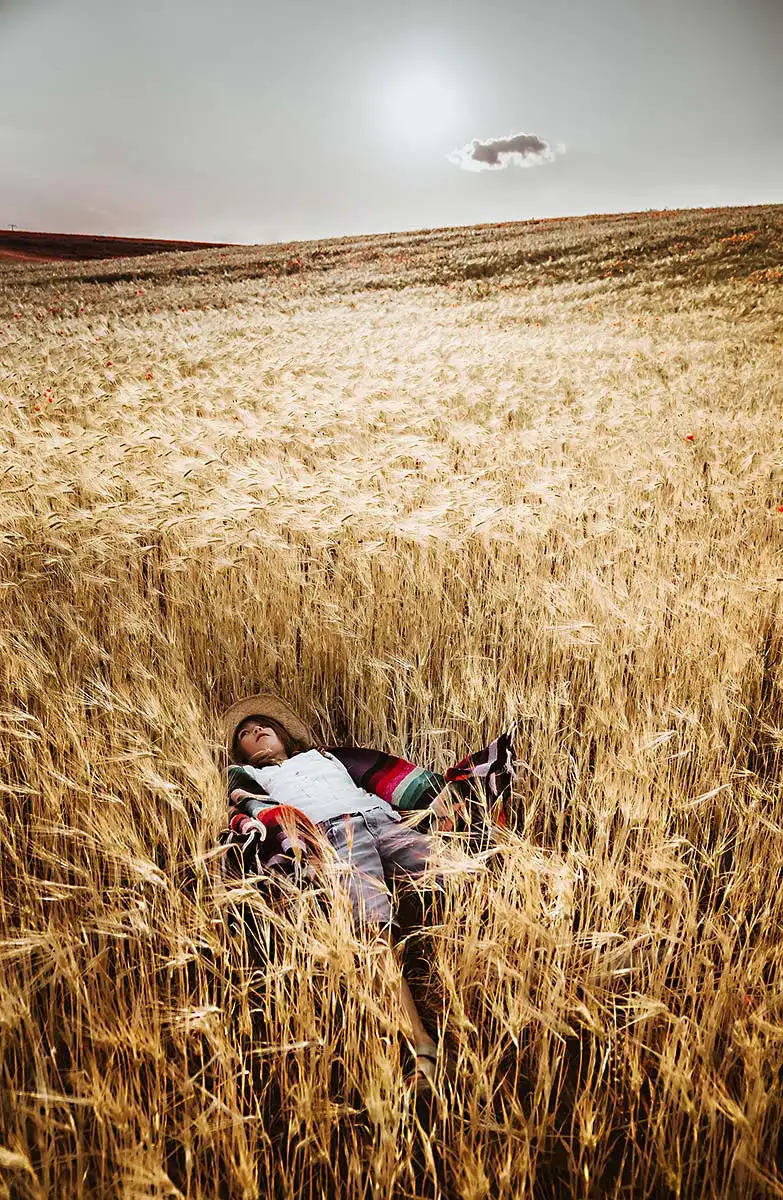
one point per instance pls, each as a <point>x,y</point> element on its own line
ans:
<point>495,154</point>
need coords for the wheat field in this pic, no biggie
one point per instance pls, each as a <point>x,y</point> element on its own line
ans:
<point>421,485</point>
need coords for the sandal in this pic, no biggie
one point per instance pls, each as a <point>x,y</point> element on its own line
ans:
<point>421,1074</point>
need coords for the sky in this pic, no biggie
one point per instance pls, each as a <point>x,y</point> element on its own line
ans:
<point>252,121</point>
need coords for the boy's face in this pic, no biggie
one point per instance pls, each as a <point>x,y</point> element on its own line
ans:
<point>256,737</point>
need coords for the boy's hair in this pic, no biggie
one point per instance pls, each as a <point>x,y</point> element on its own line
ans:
<point>290,745</point>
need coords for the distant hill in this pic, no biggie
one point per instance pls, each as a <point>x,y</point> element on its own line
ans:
<point>21,245</point>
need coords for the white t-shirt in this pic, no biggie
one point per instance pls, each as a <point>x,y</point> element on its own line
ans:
<point>318,785</point>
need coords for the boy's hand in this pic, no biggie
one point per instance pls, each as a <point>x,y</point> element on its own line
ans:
<point>446,811</point>
<point>252,826</point>
<point>246,827</point>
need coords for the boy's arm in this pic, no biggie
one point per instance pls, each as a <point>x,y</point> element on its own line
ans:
<point>245,794</point>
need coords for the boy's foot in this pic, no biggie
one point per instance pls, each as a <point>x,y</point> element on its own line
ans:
<point>424,1069</point>
<point>421,1071</point>
<point>420,1080</point>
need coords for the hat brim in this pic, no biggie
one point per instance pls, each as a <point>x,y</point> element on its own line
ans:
<point>265,704</point>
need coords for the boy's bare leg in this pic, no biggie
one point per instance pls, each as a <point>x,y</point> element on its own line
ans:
<point>424,1047</point>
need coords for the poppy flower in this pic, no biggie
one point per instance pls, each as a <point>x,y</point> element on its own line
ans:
<point>780,508</point>
<point>689,437</point>
<point>149,375</point>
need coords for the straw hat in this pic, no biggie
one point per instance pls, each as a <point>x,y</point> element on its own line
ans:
<point>265,704</point>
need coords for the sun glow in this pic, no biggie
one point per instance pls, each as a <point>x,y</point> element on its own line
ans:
<point>422,106</point>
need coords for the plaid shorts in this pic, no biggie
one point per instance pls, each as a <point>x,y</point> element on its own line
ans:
<point>383,853</point>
